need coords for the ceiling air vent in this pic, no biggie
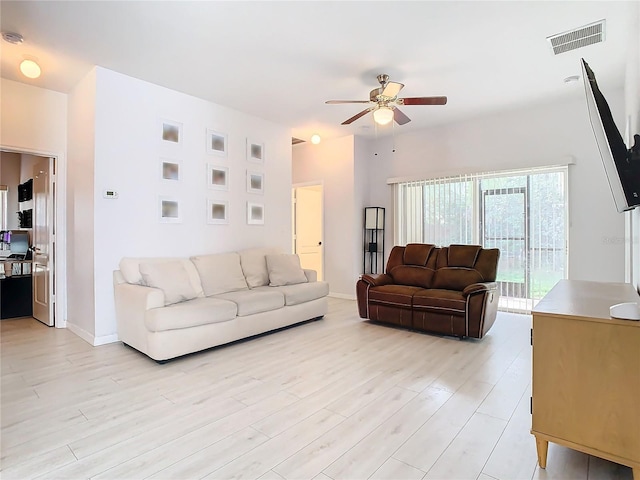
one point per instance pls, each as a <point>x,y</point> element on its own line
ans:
<point>578,37</point>
<point>296,141</point>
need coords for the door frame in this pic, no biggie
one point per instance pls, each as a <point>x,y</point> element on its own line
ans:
<point>318,183</point>
<point>58,288</point>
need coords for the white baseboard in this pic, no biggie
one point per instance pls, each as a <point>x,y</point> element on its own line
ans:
<point>91,339</point>
<point>342,295</point>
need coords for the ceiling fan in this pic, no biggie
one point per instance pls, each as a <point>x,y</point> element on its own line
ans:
<point>384,103</point>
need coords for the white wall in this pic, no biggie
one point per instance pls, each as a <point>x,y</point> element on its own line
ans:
<point>332,163</point>
<point>537,136</point>
<point>32,119</point>
<point>128,149</point>
<point>79,208</point>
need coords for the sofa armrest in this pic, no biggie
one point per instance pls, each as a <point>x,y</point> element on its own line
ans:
<point>479,287</point>
<point>132,302</point>
<point>312,275</point>
<point>376,280</point>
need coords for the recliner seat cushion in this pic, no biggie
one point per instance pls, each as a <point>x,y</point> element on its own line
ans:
<point>199,311</point>
<point>393,295</point>
<point>440,301</point>
<point>254,301</point>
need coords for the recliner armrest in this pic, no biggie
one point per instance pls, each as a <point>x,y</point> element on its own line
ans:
<point>479,287</point>
<point>376,280</point>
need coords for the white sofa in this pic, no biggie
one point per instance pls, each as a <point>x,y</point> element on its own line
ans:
<point>168,307</point>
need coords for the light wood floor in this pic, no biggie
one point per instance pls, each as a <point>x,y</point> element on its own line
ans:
<point>333,399</point>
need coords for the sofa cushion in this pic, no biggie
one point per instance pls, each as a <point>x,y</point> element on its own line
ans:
<point>455,278</point>
<point>393,295</point>
<point>302,292</point>
<point>220,273</point>
<point>412,275</point>
<point>130,269</point>
<point>440,301</point>
<point>285,269</point>
<point>254,301</point>
<point>171,277</point>
<point>254,265</point>
<point>199,311</point>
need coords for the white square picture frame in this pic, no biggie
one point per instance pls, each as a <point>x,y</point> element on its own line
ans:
<point>217,177</point>
<point>171,132</point>
<point>255,151</point>
<point>217,212</point>
<point>170,170</point>
<point>169,210</point>
<point>216,143</point>
<point>255,182</point>
<point>255,213</point>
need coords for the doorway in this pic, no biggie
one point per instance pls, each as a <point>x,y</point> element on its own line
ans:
<point>38,219</point>
<point>308,231</point>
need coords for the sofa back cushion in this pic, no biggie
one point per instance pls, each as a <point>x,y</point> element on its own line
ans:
<point>285,269</point>
<point>220,273</point>
<point>171,277</point>
<point>254,265</point>
<point>130,269</point>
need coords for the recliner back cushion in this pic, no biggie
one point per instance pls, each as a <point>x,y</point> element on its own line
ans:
<point>395,258</point>
<point>487,263</point>
<point>463,255</point>
<point>220,273</point>
<point>417,253</point>
<point>455,278</point>
<point>412,275</point>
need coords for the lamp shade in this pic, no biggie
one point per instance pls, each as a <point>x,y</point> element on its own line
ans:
<point>383,115</point>
<point>374,218</point>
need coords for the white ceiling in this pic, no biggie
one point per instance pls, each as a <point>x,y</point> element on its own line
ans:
<point>282,60</point>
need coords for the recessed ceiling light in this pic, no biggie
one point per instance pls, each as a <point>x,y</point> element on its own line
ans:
<point>30,68</point>
<point>572,79</point>
<point>315,139</point>
<point>11,37</point>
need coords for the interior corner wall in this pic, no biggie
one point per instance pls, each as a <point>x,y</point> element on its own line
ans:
<point>128,153</point>
<point>541,135</point>
<point>80,209</point>
<point>332,163</point>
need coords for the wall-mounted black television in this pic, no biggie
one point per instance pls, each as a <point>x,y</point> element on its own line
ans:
<point>621,164</point>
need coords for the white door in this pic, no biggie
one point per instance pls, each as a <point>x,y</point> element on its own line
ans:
<point>308,228</point>
<point>43,241</point>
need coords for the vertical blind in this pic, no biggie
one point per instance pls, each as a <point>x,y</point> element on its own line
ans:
<point>523,213</point>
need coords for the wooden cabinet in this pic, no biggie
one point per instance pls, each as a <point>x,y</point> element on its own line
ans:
<point>586,373</point>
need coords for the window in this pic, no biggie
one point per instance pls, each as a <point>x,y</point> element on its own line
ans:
<point>522,213</point>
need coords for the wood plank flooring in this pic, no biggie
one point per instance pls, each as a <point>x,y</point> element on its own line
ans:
<point>339,398</point>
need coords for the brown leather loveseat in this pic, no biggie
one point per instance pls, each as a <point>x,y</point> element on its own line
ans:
<point>447,290</point>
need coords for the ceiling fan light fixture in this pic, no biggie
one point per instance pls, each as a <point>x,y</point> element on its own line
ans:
<point>30,68</point>
<point>383,115</point>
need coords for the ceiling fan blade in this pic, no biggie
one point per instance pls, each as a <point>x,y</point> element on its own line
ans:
<point>423,101</point>
<point>400,117</point>
<point>337,102</point>
<point>357,116</point>
<point>392,89</point>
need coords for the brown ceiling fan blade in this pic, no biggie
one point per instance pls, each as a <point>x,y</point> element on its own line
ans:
<point>338,102</point>
<point>423,101</point>
<point>400,117</point>
<point>392,89</point>
<point>357,116</point>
